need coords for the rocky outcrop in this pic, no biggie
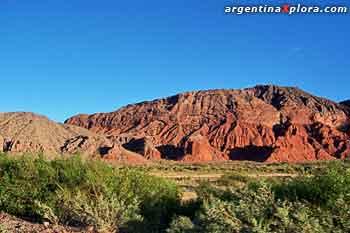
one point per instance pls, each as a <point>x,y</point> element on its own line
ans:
<point>297,145</point>
<point>198,148</point>
<point>83,144</point>
<point>143,146</point>
<point>118,153</point>
<point>264,123</point>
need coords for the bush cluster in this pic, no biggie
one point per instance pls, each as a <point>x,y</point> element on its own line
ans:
<point>83,193</point>
<point>120,199</point>
<point>318,203</point>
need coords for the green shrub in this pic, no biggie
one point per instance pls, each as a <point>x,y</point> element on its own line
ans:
<point>257,208</point>
<point>323,189</point>
<point>233,179</point>
<point>105,213</point>
<point>181,224</point>
<point>122,199</point>
<point>23,184</point>
<point>86,193</point>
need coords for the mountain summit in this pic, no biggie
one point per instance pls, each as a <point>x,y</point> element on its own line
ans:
<point>265,123</point>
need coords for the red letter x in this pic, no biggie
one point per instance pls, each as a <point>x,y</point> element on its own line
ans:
<point>285,8</point>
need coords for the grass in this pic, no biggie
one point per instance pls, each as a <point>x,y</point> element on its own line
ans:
<point>172,197</point>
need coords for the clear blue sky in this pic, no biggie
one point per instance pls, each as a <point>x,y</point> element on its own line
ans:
<point>86,56</point>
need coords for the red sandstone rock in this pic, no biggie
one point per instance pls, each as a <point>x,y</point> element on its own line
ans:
<point>296,146</point>
<point>198,149</point>
<point>143,146</point>
<point>119,154</point>
<point>264,123</point>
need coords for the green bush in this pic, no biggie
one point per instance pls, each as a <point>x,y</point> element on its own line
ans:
<point>233,179</point>
<point>318,203</point>
<point>322,189</point>
<point>105,213</point>
<point>181,224</point>
<point>78,192</point>
<point>121,199</point>
<point>23,184</point>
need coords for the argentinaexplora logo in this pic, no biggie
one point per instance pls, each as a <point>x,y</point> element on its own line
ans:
<point>285,9</point>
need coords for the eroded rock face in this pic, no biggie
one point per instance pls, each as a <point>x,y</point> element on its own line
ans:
<point>143,146</point>
<point>264,123</point>
<point>91,145</point>
<point>118,153</point>
<point>198,148</point>
<point>296,145</point>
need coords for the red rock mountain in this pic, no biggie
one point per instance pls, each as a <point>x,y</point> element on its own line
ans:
<point>345,103</point>
<point>264,123</point>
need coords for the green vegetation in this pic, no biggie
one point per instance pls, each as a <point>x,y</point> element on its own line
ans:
<point>319,202</point>
<point>82,193</point>
<point>251,198</point>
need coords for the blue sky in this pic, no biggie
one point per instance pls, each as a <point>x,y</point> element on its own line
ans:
<point>86,56</point>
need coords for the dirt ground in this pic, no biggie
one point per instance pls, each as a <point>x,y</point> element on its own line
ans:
<point>9,224</point>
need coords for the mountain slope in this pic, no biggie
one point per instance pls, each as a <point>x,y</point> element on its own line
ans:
<point>23,132</point>
<point>346,103</point>
<point>263,123</point>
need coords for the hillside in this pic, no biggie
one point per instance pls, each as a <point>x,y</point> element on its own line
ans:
<point>265,123</point>
<point>345,103</point>
<point>24,132</point>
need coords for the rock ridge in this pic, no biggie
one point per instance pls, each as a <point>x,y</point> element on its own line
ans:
<point>265,123</point>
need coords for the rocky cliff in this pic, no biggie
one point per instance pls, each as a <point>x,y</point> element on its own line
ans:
<point>264,123</point>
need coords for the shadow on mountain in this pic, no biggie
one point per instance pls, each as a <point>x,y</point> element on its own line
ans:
<point>104,150</point>
<point>171,152</point>
<point>251,153</point>
<point>135,145</point>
